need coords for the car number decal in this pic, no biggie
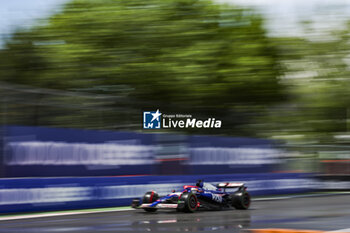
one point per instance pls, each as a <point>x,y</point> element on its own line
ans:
<point>216,197</point>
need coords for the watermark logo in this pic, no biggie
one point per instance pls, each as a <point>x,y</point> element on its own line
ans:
<point>152,120</point>
<point>157,120</point>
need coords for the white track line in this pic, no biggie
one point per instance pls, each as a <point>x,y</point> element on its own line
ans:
<point>42,215</point>
<point>297,196</point>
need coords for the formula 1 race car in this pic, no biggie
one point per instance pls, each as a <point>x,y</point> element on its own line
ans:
<point>202,195</point>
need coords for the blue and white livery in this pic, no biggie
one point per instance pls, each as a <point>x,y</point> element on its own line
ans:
<point>202,195</point>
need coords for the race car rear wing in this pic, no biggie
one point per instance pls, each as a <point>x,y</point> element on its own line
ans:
<point>230,185</point>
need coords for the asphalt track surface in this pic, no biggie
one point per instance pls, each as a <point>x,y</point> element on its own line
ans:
<point>328,213</point>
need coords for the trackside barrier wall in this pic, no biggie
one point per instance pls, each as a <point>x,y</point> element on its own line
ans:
<point>44,194</point>
<point>213,155</point>
<point>45,152</point>
<point>53,152</point>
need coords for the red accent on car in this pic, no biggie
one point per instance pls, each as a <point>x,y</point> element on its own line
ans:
<point>190,186</point>
<point>151,197</point>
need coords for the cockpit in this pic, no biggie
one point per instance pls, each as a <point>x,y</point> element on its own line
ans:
<point>205,185</point>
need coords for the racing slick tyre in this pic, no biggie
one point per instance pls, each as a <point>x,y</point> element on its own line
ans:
<point>240,200</point>
<point>188,203</point>
<point>150,197</point>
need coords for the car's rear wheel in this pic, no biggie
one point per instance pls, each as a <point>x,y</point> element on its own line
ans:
<point>188,203</point>
<point>240,200</point>
<point>150,197</point>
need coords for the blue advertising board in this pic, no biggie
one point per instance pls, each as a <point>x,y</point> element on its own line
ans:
<point>222,155</point>
<point>55,152</point>
<point>48,152</point>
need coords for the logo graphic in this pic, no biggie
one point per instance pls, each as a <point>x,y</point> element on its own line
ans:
<point>151,120</point>
<point>158,120</point>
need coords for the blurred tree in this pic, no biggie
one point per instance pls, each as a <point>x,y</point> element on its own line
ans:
<point>181,56</point>
<point>316,77</point>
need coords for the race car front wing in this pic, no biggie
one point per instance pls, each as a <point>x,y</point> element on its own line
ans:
<point>157,205</point>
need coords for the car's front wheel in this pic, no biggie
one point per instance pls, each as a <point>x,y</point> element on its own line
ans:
<point>150,197</point>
